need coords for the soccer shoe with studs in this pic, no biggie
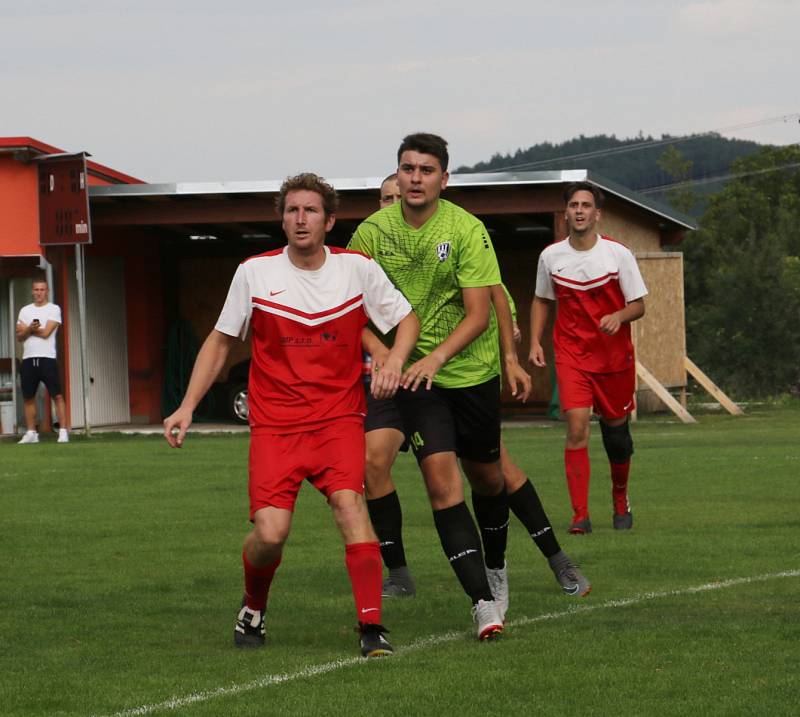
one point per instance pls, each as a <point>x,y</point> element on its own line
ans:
<point>249,631</point>
<point>498,582</point>
<point>623,521</point>
<point>486,614</point>
<point>392,589</point>
<point>29,437</point>
<point>580,527</point>
<point>373,642</point>
<point>572,581</point>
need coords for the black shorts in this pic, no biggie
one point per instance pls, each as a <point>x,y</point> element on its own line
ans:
<point>35,370</point>
<point>383,413</point>
<point>463,420</point>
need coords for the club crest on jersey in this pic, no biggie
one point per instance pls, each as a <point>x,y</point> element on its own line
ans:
<point>443,250</point>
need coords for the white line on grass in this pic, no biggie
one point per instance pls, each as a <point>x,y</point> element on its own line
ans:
<point>323,669</point>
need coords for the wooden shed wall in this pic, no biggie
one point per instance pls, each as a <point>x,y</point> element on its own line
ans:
<point>660,336</point>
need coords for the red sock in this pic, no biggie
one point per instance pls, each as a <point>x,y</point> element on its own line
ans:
<point>576,464</point>
<point>363,562</point>
<point>257,582</point>
<point>619,486</point>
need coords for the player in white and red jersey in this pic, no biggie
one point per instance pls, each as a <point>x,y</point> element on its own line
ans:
<point>307,306</point>
<point>598,290</point>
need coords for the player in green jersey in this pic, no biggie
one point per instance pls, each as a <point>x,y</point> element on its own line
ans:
<point>385,438</point>
<point>442,259</point>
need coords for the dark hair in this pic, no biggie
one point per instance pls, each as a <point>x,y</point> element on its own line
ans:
<point>392,176</point>
<point>312,183</point>
<point>426,143</point>
<point>570,189</point>
<point>40,280</point>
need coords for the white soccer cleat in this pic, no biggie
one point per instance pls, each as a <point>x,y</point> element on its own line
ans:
<point>63,436</point>
<point>498,582</point>
<point>486,613</point>
<point>29,437</point>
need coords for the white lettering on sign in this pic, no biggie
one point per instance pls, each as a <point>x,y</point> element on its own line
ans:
<point>81,228</point>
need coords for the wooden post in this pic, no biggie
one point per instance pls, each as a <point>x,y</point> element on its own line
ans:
<point>653,384</point>
<point>711,387</point>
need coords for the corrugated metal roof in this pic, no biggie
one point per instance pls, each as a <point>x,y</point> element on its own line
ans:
<point>493,179</point>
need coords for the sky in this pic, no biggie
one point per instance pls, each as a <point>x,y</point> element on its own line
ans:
<point>237,90</point>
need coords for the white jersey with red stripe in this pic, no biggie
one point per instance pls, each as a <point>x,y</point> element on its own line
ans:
<point>306,334</point>
<point>587,286</point>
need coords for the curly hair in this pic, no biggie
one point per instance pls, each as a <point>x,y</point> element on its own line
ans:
<point>313,183</point>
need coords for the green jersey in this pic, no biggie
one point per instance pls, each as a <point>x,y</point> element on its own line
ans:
<point>430,266</point>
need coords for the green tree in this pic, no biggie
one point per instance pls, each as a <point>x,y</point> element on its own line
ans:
<point>743,278</point>
<point>679,169</point>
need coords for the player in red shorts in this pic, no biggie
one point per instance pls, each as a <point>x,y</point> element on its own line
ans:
<point>307,305</point>
<point>598,291</point>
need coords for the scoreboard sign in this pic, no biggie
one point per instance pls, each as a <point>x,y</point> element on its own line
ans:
<point>63,200</point>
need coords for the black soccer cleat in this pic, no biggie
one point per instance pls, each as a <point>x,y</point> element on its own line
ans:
<point>373,643</point>
<point>623,521</point>
<point>249,631</point>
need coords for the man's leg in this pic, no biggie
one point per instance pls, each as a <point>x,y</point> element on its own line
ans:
<point>525,504</point>
<point>30,413</point>
<point>261,556</point>
<point>455,526</point>
<point>61,415</point>
<point>383,504</point>
<point>490,503</point>
<point>618,443</point>
<point>576,465</point>
<point>363,561</point>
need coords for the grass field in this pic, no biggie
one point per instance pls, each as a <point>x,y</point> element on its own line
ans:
<point>121,580</point>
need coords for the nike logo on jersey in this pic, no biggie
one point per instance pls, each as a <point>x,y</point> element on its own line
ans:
<point>275,293</point>
<point>368,609</point>
<point>627,405</point>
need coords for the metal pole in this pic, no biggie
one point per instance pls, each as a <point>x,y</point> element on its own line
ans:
<point>13,324</point>
<point>80,275</point>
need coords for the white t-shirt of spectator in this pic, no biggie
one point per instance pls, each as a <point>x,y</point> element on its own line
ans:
<point>36,346</point>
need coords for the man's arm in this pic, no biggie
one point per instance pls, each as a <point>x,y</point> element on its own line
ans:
<point>386,377</point>
<point>207,366</point>
<point>474,323</point>
<point>22,330</point>
<point>48,329</point>
<point>540,309</point>
<point>518,379</point>
<point>610,323</point>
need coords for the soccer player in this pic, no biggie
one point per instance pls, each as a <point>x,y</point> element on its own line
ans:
<point>385,438</point>
<point>442,260</point>
<point>36,327</point>
<point>598,291</point>
<point>390,191</point>
<point>307,305</point>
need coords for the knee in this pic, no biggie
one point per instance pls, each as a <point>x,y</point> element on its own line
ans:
<point>578,435</point>
<point>347,506</point>
<point>378,469</point>
<point>270,536</point>
<point>617,441</point>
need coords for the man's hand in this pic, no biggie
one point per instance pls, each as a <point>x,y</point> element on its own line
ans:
<point>176,425</point>
<point>536,356</point>
<point>422,371</point>
<point>610,324</point>
<point>519,381</point>
<point>386,374</point>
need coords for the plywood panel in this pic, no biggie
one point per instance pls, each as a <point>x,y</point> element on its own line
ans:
<point>660,336</point>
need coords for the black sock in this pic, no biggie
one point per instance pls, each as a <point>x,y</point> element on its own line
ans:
<point>462,546</point>
<point>491,514</point>
<point>387,519</point>
<point>525,504</point>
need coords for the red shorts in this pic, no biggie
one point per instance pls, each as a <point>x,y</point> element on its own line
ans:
<point>330,457</point>
<point>611,395</point>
